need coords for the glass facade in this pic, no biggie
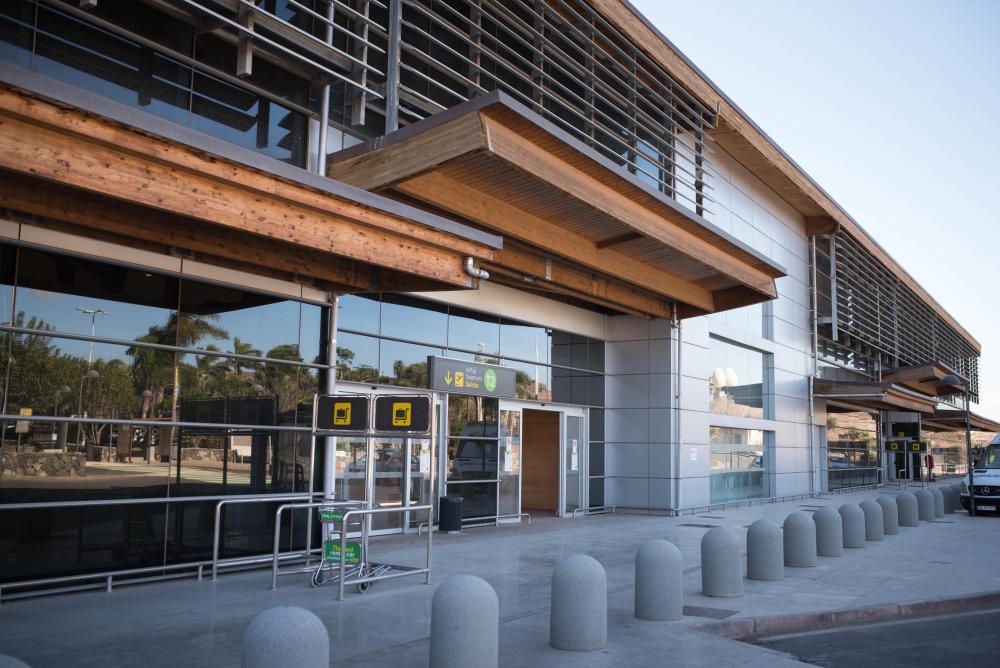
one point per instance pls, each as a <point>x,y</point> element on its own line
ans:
<point>852,449</point>
<point>736,383</point>
<point>187,78</point>
<point>738,462</point>
<point>387,338</point>
<point>747,319</point>
<point>151,366</point>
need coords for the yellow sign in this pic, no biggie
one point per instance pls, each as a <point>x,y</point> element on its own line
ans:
<point>459,379</point>
<point>25,411</point>
<point>341,414</point>
<point>402,414</point>
<point>893,446</point>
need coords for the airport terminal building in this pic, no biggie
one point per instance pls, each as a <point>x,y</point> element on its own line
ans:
<point>212,210</point>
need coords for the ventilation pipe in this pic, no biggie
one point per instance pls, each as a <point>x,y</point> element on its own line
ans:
<point>472,270</point>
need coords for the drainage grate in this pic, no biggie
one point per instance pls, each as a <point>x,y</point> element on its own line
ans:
<point>699,526</point>
<point>710,613</point>
<point>713,517</point>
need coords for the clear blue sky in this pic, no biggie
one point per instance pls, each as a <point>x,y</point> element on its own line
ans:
<point>893,107</point>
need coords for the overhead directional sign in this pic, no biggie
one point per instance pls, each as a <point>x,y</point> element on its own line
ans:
<point>464,377</point>
<point>410,414</point>
<point>336,412</point>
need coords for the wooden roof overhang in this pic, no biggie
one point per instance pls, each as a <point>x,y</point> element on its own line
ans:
<point>75,162</point>
<point>873,396</point>
<point>573,222</point>
<point>954,420</point>
<point>925,378</point>
<point>737,134</point>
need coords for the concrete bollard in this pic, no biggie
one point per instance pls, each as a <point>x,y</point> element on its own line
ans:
<point>909,515</point>
<point>721,563</point>
<point>7,661</point>
<point>874,524</point>
<point>952,502</point>
<point>956,494</point>
<point>925,505</point>
<point>465,624</point>
<point>829,532</point>
<point>938,502</point>
<point>286,636</point>
<point>854,525</point>
<point>800,540</point>
<point>578,615</point>
<point>890,515</point>
<point>659,582</point>
<point>765,551</point>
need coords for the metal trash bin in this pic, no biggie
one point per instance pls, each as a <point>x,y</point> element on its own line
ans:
<point>450,514</point>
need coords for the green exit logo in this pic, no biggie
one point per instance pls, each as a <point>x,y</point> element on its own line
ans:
<point>490,380</point>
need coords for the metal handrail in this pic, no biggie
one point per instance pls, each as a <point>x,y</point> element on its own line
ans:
<point>587,511</point>
<point>375,578</point>
<point>216,532</point>
<point>142,501</point>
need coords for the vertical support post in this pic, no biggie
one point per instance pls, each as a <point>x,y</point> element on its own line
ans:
<point>968,454</point>
<point>330,442</point>
<point>392,67</point>
<point>324,104</point>
<point>244,49</point>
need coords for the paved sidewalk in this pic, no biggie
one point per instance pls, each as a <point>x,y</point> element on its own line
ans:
<point>195,623</point>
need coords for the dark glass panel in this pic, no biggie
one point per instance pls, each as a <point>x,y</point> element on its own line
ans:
<point>570,386</point>
<point>525,342</point>
<point>359,312</point>
<point>415,320</point>
<point>531,381</point>
<point>212,461</point>
<point>61,292</point>
<point>596,492</point>
<point>404,363</point>
<point>562,348</point>
<point>472,459</point>
<point>479,499</point>
<point>8,265</point>
<point>216,317</point>
<point>357,358</point>
<point>476,332</point>
<point>596,424</point>
<point>596,459</point>
<point>736,381</point>
<point>17,18</point>
<point>472,416</point>
<point>66,541</point>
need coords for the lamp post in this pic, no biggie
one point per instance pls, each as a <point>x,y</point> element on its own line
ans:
<point>60,427</point>
<point>952,379</point>
<point>93,313</point>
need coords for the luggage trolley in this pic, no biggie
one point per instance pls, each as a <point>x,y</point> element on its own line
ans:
<point>358,566</point>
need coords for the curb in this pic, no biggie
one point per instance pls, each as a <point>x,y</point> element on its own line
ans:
<point>755,627</point>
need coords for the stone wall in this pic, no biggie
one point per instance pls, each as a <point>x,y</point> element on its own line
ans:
<point>44,465</point>
<point>203,454</point>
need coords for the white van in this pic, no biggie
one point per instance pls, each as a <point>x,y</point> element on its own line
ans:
<point>986,478</point>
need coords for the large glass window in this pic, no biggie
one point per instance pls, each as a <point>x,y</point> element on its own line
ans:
<point>852,449</point>
<point>736,381</point>
<point>747,318</point>
<point>387,339</point>
<point>737,463</point>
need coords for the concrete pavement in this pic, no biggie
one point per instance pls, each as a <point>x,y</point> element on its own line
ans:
<point>196,623</point>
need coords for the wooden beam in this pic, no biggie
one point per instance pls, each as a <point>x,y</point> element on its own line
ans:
<point>541,270</point>
<point>56,156</point>
<point>67,210</point>
<point>523,154</point>
<point>821,225</point>
<point>496,214</point>
<point>187,160</point>
<point>419,153</point>
<point>619,239</point>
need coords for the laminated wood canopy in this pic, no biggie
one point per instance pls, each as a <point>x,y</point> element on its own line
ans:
<point>120,175</point>
<point>875,396</point>
<point>924,378</point>
<point>574,223</point>
<point>953,420</point>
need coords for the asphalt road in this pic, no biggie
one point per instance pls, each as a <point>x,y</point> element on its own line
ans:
<point>964,639</point>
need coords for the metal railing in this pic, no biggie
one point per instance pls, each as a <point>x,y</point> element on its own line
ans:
<point>594,510</point>
<point>275,550</point>
<point>401,571</point>
<point>217,530</point>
